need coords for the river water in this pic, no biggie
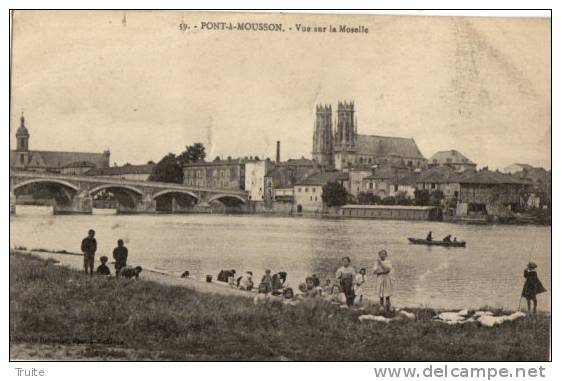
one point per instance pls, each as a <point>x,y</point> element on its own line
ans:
<point>488,272</point>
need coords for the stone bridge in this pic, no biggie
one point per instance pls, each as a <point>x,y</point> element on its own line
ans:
<point>75,194</point>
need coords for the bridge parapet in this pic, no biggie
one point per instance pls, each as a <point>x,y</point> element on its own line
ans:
<point>133,196</point>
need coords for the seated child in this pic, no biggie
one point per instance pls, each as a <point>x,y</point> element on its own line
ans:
<point>130,272</point>
<point>337,295</point>
<point>288,297</point>
<point>245,282</point>
<point>103,269</point>
<point>309,289</point>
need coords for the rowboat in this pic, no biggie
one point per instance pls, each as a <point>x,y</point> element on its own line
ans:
<point>419,241</point>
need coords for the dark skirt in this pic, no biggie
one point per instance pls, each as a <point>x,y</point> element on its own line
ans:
<point>348,289</point>
<point>532,286</point>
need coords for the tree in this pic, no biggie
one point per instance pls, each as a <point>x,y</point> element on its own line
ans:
<point>334,194</point>
<point>436,197</point>
<point>402,199</point>
<point>167,170</point>
<point>365,198</point>
<point>150,162</point>
<point>422,197</point>
<point>389,200</point>
<point>192,154</point>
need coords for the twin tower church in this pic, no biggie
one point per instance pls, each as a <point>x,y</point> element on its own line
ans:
<point>337,143</point>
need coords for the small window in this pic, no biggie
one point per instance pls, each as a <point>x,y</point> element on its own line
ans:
<point>299,190</point>
<point>306,190</point>
<point>314,189</point>
<point>310,198</point>
<point>316,198</point>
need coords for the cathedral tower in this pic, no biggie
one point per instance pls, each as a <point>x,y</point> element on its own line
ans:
<point>345,136</point>
<point>323,136</point>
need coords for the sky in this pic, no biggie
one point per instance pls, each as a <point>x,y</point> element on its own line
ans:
<point>135,84</point>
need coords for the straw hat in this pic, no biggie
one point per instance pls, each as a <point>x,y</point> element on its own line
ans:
<point>532,265</point>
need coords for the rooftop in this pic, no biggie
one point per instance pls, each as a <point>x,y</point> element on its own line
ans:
<point>323,178</point>
<point>388,146</point>
<point>450,157</point>
<point>122,170</point>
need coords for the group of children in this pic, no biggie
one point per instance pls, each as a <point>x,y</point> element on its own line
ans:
<point>120,255</point>
<point>345,290</point>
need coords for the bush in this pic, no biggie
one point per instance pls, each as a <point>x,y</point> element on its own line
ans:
<point>334,194</point>
<point>365,198</point>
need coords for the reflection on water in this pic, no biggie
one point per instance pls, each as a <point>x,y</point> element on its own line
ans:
<point>487,272</point>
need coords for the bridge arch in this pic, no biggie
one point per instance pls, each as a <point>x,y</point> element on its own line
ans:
<point>181,191</point>
<point>47,181</point>
<point>218,197</point>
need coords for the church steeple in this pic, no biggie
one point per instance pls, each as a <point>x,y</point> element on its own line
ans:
<point>22,136</point>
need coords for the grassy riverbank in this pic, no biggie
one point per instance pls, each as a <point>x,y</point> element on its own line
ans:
<point>58,313</point>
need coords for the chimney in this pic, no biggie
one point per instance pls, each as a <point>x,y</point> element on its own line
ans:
<point>278,151</point>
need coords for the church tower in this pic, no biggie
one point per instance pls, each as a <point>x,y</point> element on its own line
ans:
<point>323,136</point>
<point>345,136</point>
<point>22,147</point>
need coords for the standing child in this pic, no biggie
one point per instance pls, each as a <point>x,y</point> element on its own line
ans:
<point>266,282</point>
<point>360,280</point>
<point>384,282</point>
<point>346,275</point>
<point>120,255</point>
<point>533,286</point>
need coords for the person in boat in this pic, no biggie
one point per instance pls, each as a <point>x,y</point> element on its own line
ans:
<point>346,275</point>
<point>448,238</point>
<point>384,281</point>
<point>185,274</point>
<point>429,236</point>
<point>533,286</point>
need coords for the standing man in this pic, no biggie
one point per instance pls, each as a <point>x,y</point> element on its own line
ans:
<point>120,254</point>
<point>89,247</point>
